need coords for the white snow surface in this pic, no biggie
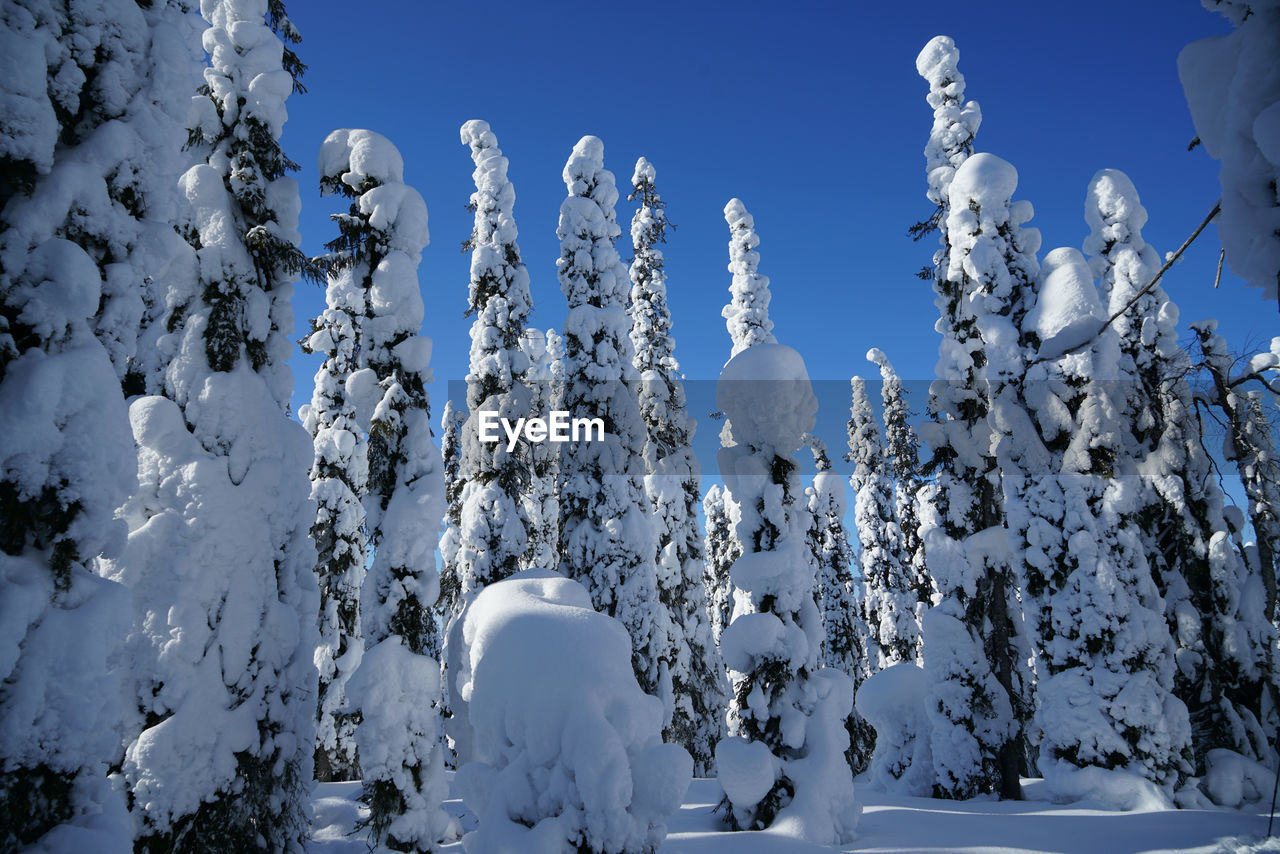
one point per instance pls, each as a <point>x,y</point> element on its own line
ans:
<point>1068,309</point>
<point>565,747</point>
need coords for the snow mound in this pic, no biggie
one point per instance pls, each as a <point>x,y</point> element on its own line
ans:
<point>986,179</point>
<point>1102,788</point>
<point>355,156</point>
<point>567,748</point>
<point>893,701</point>
<point>1232,780</point>
<point>1068,311</point>
<point>766,394</point>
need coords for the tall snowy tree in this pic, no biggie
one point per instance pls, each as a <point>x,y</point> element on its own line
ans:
<point>93,100</point>
<point>722,549</point>
<point>493,537</point>
<point>1186,540</point>
<point>747,314</point>
<point>902,449</point>
<point>1104,654</point>
<point>396,686</point>
<point>846,639</point>
<point>974,650</point>
<point>693,682</point>
<point>219,557</point>
<point>449,602</point>
<point>606,538</point>
<point>890,598</point>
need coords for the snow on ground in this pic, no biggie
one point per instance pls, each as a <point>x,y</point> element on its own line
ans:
<point>899,825</point>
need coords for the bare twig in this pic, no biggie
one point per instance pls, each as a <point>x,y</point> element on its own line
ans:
<point>1217,280</point>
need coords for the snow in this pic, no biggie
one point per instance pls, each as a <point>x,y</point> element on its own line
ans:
<point>765,393</point>
<point>564,746</point>
<point>893,701</point>
<point>1068,311</point>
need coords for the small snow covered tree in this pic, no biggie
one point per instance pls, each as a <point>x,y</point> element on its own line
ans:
<point>90,139</point>
<point>493,538</point>
<point>607,540</point>
<point>449,602</point>
<point>219,558</point>
<point>1232,85</point>
<point>692,685</point>
<point>722,549</point>
<point>890,596</point>
<point>784,758</point>
<point>396,686</point>
<point>1186,540</point>
<point>747,314</point>
<point>845,638</point>
<point>902,449</point>
<point>539,498</point>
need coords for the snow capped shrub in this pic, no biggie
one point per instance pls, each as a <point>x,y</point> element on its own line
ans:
<point>566,749</point>
<point>893,701</point>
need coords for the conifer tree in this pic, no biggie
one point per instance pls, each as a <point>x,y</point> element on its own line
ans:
<point>846,639</point>
<point>902,449</point>
<point>493,536</point>
<point>396,686</point>
<point>219,557</point>
<point>89,159</point>
<point>890,598</point>
<point>722,549</point>
<point>1185,534</point>
<point>540,497</point>
<point>747,314</point>
<point>339,480</point>
<point>694,680</point>
<point>606,538</point>
<point>451,422</point>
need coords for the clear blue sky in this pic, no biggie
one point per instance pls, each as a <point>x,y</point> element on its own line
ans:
<point>811,112</point>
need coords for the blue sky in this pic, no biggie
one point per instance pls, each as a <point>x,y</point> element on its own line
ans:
<point>811,112</point>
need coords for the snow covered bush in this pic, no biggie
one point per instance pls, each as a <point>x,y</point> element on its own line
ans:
<point>893,701</point>
<point>566,749</point>
<point>783,765</point>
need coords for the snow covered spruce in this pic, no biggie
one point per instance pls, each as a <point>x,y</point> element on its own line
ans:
<point>395,689</point>
<point>559,748</point>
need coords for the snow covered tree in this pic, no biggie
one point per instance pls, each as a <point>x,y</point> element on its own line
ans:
<point>539,498</point>
<point>396,686</point>
<point>1232,87</point>
<point>219,558</point>
<point>785,754</point>
<point>846,638</point>
<point>606,538</point>
<point>972,638</point>
<point>890,598</point>
<point>493,535</point>
<point>91,109</point>
<point>1187,544</point>
<point>339,480</point>
<point>721,549</point>
<point>902,450</point>
<point>449,601</point>
<point>692,685</point>
<point>1104,654</point>
<point>747,314</point>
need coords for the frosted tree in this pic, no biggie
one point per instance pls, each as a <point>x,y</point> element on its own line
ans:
<point>693,682</point>
<point>1186,540</point>
<point>1232,87</point>
<point>396,686</point>
<point>219,557</point>
<point>722,549</point>
<point>902,449</point>
<point>493,538</point>
<point>785,754</point>
<point>1104,654</point>
<point>890,599</point>
<point>846,638</point>
<point>972,638</point>
<point>91,109</point>
<point>539,499</point>
<point>449,601</point>
<point>606,538</point>
<point>747,314</point>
